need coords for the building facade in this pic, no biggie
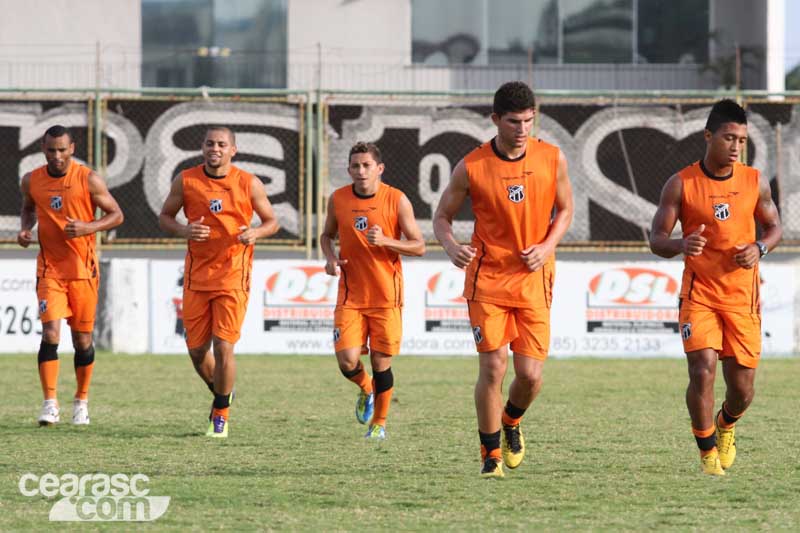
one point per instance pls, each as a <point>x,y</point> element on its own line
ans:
<point>394,44</point>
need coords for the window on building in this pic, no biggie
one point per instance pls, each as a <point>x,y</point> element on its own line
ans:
<point>483,32</point>
<point>597,31</point>
<point>672,32</point>
<point>188,43</point>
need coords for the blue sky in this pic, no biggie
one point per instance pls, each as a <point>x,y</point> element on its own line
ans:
<point>792,50</point>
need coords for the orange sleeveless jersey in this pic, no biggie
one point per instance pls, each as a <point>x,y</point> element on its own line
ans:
<point>726,207</point>
<point>56,199</point>
<point>513,202</point>
<point>221,262</point>
<point>373,275</point>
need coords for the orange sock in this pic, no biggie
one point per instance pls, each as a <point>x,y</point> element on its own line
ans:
<point>384,387</point>
<point>495,452</point>
<point>360,377</point>
<point>382,402</point>
<point>220,412</point>
<point>48,376</point>
<point>83,375</point>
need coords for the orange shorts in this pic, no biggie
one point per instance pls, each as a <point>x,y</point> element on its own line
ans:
<point>73,299</point>
<point>217,313</point>
<point>494,326</point>
<point>729,333</point>
<point>382,325</point>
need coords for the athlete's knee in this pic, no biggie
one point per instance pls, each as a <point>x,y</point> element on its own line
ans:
<point>493,370</point>
<point>349,368</point>
<point>701,374</point>
<point>379,360</point>
<point>198,353</point>
<point>82,341</point>
<point>84,356</point>
<point>739,399</point>
<point>222,346</point>
<point>530,379</point>
<point>51,334</point>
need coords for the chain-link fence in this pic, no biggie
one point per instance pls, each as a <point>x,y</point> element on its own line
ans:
<point>620,148</point>
<point>620,151</point>
<point>147,139</point>
<point>23,120</point>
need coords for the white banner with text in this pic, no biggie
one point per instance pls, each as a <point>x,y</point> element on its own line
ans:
<point>615,309</point>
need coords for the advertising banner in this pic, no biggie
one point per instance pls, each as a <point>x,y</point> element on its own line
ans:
<point>20,328</point>
<point>613,309</point>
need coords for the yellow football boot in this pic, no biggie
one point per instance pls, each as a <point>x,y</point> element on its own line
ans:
<point>492,467</point>
<point>513,445</point>
<point>710,464</point>
<point>726,444</point>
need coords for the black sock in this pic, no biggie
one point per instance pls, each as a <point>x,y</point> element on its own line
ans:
<point>728,418</point>
<point>221,401</point>
<point>706,443</point>
<point>84,357</point>
<point>210,386</point>
<point>349,374</point>
<point>47,352</point>
<point>489,441</point>
<point>384,380</point>
<point>513,411</point>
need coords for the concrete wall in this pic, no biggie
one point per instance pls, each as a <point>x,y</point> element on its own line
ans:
<point>363,34</point>
<point>53,43</point>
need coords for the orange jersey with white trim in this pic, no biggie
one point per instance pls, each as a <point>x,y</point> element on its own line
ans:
<point>57,198</point>
<point>513,202</point>
<point>221,262</point>
<point>373,275</point>
<point>726,206</point>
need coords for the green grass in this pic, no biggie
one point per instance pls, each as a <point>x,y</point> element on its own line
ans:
<point>609,448</point>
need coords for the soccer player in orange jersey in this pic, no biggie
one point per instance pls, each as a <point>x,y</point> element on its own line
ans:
<point>218,200</point>
<point>369,217</point>
<point>717,201</point>
<point>515,183</point>
<point>63,196</point>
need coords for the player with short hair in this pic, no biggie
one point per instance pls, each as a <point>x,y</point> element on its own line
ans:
<point>515,183</point>
<point>63,196</point>
<point>718,200</point>
<point>218,199</point>
<point>369,218</point>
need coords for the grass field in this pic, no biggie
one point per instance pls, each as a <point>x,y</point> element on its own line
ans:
<point>609,448</point>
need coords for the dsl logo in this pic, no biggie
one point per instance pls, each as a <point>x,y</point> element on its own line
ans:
<point>633,287</point>
<point>308,285</point>
<point>444,288</point>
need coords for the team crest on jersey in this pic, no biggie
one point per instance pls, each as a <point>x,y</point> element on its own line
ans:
<point>722,211</point>
<point>56,202</point>
<point>42,306</point>
<point>686,330</point>
<point>215,206</point>
<point>476,332</point>
<point>361,223</point>
<point>516,193</point>
<point>336,334</point>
